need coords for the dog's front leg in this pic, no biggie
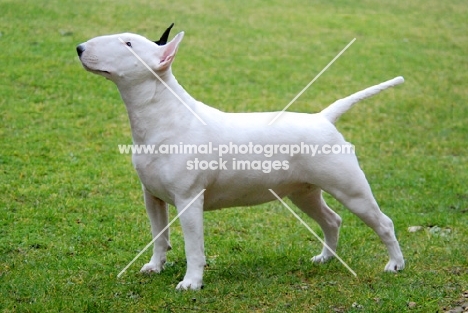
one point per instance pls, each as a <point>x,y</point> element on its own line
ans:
<point>158,215</point>
<point>192,227</point>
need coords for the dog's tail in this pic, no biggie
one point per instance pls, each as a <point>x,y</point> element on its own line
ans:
<point>337,108</point>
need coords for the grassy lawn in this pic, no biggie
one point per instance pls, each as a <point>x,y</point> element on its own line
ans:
<point>71,210</point>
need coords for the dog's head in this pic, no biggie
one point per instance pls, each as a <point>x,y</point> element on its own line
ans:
<point>128,56</point>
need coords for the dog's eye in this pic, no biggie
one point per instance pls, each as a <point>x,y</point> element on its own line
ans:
<point>128,43</point>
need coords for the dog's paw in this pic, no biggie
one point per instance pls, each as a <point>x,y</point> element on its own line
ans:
<point>151,268</point>
<point>192,284</point>
<point>394,266</point>
<point>321,258</point>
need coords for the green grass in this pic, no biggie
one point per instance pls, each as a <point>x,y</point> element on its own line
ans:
<point>72,214</point>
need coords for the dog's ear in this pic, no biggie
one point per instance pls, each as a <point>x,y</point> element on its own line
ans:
<point>169,52</point>
<point>163,40</point>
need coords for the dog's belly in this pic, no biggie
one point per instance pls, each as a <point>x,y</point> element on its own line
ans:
<point>219,196</point>
<point>224,189</point>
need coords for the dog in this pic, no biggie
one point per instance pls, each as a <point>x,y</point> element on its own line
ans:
<point>163,114</point>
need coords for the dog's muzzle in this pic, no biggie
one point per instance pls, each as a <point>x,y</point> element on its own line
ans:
<point>80,49</point>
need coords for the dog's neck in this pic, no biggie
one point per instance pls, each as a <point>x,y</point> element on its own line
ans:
<point>154,111</point>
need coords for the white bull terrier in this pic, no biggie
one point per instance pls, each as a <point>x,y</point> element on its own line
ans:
<point>163,114</point>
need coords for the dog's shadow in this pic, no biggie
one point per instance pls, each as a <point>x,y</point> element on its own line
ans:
<point>244,267</point>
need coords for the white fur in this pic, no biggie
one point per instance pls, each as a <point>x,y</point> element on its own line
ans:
<point>158,117</point>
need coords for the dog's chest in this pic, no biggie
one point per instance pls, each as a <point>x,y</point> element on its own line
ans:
<point>151,175</point>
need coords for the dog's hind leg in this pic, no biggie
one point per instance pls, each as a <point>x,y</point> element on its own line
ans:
<point>351,188</point>
<point>312,203</point>
<point>158,215</point>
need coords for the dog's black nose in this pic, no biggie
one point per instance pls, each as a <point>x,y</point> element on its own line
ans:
<point>80,49</point>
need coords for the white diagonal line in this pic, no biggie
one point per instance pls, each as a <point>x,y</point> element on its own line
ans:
<point>160,233</point>
<point>163,82</point>
<point>313,233</point>
<point>312,81</point>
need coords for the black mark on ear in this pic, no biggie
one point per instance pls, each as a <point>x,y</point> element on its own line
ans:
<point>163,40</point>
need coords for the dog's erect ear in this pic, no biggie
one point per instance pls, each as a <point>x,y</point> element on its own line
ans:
<point>169,52</point>
<point>163,40</point>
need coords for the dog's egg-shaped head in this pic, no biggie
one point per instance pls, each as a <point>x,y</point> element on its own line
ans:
<point>127,56</point>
